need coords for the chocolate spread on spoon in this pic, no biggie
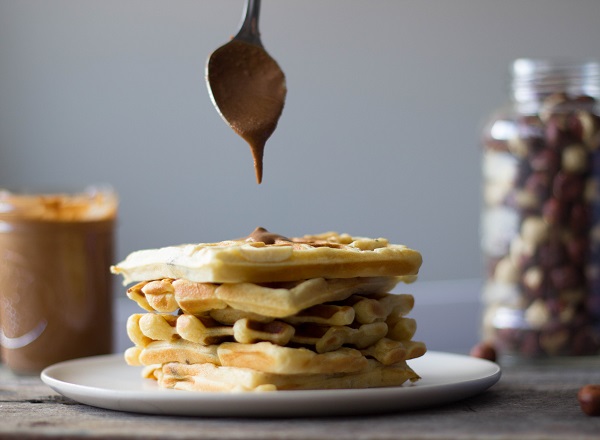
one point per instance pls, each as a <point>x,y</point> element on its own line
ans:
<point>248,88</point>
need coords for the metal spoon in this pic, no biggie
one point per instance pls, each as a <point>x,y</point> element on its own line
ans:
<point>247,86</point>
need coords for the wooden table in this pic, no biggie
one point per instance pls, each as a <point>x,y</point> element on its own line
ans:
<point>533,401</point>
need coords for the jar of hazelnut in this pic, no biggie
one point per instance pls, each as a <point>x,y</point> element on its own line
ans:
<point>540,226</point>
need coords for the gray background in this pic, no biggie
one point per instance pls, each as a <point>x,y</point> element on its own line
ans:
<point>379,136</point>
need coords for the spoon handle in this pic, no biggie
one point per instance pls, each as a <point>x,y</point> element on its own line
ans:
<point>248,30</point>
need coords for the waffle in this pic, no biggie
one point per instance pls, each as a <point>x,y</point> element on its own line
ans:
<point>210,377</point>
<point>246,260</point>
<point>157,336</point>
<point>267,313</point>
<point>161,352</point>
<point>357,321</point>
<point>261,356</point>
<point>325,339</point>
<point>390,352</point>
<point>275,300</point>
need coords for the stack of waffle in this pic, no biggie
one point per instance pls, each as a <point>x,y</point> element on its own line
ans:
<point>271,313</point>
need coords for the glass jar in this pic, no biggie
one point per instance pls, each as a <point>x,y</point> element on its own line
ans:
<point>55,285</point>
<point>540,226</point>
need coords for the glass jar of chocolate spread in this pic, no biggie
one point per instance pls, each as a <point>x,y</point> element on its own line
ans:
<point>540,226</point>
<point>55,283</point>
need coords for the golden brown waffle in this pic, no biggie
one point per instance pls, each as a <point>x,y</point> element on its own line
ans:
<point>268,312</point>
<point>271,358</point>
<point>210,377</point>
<point>323,327</point>
<point>401,328</point>
<point>325,339</point>
<point>230,316</point>
<point>325,314</point>
<point>161,352</point>
<point>262,344</point>
<point>389,352</point>
<point>261,356</point>
<point>276,300</point>
<point>329,255</point>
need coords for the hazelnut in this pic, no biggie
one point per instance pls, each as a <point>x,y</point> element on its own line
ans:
<point>484,350</point>
<point>539,183</point>
<point>552,254</point>
<point>585,102</point>
<point>587,127</point>
<point>518,147</point>
<point>533,279</point>
<point>496,193</point>
<point>506,271</point>
<point>568,187</point>
<point>565,277</point>
<point>525,200</point>
<point>537,314</point>
<point>553,106</point>
<point>555,132</point>
<point>521,253</point>
<point>567,314</point>
<point>531,128</point>
<point>534,230</point>
<point>577,250</point>
<point>589,399</point>
<point>545,160</point>
<point>555,212</point>
<point>575,159</point>
<point>580,218</point>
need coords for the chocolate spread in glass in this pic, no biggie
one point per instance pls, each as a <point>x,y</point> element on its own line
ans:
<point>250,97</point>
<point>55,285</point>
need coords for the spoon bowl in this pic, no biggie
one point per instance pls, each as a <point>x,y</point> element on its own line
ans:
<point>247,86</point>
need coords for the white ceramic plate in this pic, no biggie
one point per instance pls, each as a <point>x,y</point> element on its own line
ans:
<point>108,382</point>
